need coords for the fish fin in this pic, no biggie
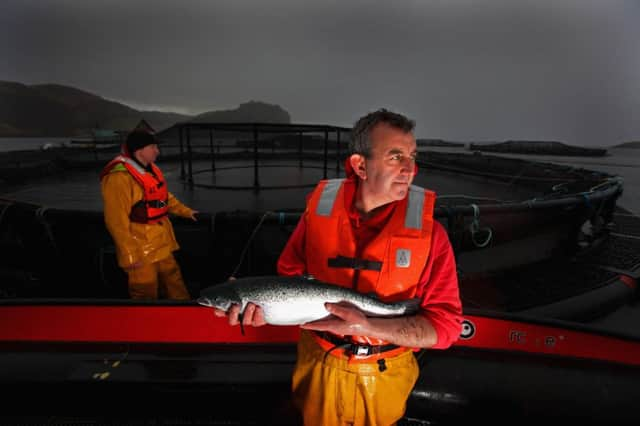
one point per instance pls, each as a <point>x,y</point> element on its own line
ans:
<point>373,295</point>
<point>347,304</point>
<point>240,318</point>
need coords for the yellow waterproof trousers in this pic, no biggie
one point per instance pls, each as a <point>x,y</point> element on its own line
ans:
<point>159,279</point>
<point>335,392</point>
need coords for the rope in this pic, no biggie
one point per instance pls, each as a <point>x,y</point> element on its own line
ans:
<point>474,228</point>
<point>251,237</point>
<point>4,210</point>
<point>617,234</point>
<point>47,226</point>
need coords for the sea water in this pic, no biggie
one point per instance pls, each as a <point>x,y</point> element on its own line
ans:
<point>22,144</point>
<point>623,162</point>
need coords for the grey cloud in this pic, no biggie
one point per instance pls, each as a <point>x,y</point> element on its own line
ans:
<point>467,70</point>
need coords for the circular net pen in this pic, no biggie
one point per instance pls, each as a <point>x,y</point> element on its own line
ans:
<point>279,156</point>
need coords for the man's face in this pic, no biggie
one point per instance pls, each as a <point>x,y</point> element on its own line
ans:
<point>148,154</point>
<point>391,164</point>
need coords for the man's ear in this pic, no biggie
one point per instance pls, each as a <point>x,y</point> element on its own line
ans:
<point>358,164</point>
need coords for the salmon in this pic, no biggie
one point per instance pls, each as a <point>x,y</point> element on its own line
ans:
<point>297,300</point>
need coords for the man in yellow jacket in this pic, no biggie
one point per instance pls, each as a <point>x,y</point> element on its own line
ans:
<point>137,204</point>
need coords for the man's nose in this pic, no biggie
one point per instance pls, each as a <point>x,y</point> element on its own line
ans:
<point>408,165</point>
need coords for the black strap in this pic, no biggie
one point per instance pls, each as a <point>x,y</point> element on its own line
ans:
<point>157,204</point>
<point>138,212</point>
<point>354,348</point>
<point>353,263</point>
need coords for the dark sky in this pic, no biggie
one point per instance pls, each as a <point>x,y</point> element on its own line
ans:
<point>463,69</point>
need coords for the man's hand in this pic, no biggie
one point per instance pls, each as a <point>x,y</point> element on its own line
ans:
<point>414,331</point>
<point>252,316</point>
<point>345,320</point>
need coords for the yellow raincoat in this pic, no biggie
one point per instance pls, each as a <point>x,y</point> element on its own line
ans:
<point>140,243</point>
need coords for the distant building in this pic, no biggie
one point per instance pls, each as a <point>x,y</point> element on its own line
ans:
<point>100,137</point>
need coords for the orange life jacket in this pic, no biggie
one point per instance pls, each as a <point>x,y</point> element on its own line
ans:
<point>154,206</point>
<point>390,266</point>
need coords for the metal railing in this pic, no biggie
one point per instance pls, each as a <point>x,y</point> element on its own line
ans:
<point>331,147</point>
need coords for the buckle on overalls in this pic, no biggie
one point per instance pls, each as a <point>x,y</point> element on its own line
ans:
<point>366,350</point>
<point>361,350</point>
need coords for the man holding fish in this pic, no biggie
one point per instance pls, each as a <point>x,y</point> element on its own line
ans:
<point>372,232</point>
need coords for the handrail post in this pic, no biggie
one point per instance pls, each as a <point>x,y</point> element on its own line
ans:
<point>181,153</point>
<point>326,151</point>
<point>338,152</point>
<point>189,156</point>
<point>300,149</point>
<point>213,155</point>
<point>256,179</point>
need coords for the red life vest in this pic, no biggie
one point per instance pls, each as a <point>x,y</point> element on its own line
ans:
<point>390,266</point>
<point>154,206</point>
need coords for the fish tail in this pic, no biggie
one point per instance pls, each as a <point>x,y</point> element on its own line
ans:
<point>412,306</point>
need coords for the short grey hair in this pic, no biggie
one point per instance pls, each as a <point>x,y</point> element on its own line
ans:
<point>361,133</point>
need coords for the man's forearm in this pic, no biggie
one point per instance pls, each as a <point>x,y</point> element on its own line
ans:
<point>414,331</point>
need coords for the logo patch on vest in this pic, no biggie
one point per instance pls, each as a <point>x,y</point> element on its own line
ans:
<point>403,258</point>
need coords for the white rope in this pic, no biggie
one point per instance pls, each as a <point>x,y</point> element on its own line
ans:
<point>635,237</point>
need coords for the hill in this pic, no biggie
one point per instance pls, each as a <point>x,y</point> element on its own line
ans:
<point>249,112</point>
<point>439,142</point>
<point>538,147</point>
<point>632,144</point>
<point>53,110</point>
